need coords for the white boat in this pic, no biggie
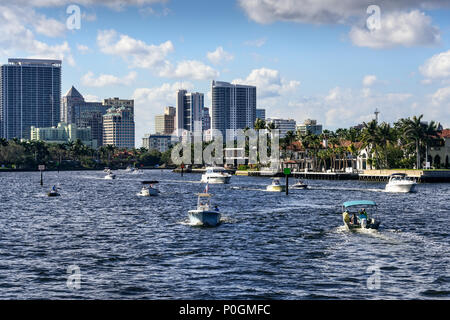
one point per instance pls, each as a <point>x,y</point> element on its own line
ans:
<point>299,185</point>
<point>204,215</point>
<point>110,175</point>
<point>400,182</point>
<point>54,192</point>
<point>148,189</point>
<point>216,175</point>
<point>129,169</point>
<point>355,216</point>
<point>276,186</point>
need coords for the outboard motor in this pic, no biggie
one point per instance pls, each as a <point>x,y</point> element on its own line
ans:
<point>363,223</point>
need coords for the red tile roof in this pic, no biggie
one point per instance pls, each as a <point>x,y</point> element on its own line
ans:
<point>445,133</point>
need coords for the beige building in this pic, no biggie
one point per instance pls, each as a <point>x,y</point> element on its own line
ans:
<point>63,133</point>
<point>165,123</point>
<point>116,103</point>
<point>439,154</point>
<point>119,127</point>
<point>158,142</point>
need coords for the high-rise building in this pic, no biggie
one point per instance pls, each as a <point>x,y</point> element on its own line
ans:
<point>189,111</point>
<point>261,114</point>
<point>119,127</point>
<point>233,107</point>
<point>284,125</point>
<point>206,120</point>
<point>30,95</point>
<point>310,126</point>
<point>158,142</point>
<point>116,103</point>
<point>165,123</point>
<point>75,110</point>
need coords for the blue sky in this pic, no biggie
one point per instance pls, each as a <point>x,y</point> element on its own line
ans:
<point>308,60</point>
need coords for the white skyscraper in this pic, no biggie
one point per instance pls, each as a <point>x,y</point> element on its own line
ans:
<point>189,111</point>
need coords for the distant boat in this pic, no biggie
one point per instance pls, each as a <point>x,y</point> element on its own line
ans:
<point>110,175</point>
<point>276,186</point>
<point>355,216</point>
<point>400,182</point>
<point>299,185</point>
<point>129,169</point>
<point>216,175</point>
<point>54,192</point>
<point>148,189</point>
<point>204,215</point>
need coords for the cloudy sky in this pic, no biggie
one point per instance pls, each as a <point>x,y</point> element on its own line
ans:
<point>330,60</point>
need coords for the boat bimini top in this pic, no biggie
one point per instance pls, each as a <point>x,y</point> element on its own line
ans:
<point>358,203</point>
<point>149,182</point>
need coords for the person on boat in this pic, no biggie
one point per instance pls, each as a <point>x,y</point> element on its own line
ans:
<point>216,208</point>
<point>346,216</point>
<point>54,188</point>
<point>354,219</point>
<point>363,214</point>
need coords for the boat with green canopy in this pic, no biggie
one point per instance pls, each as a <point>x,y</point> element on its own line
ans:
<point>357,214</point>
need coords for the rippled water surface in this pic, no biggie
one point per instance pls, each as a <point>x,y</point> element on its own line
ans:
<point>269,246</point>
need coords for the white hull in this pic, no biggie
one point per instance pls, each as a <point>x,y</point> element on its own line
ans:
<point>215,180</point>
<point>273,188</point>
<point>110,177</point>
<point>148,193</point>
<point>400,187</point>
<point>205,218</point>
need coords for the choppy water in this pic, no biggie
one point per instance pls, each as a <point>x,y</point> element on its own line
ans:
<point>270,246</point>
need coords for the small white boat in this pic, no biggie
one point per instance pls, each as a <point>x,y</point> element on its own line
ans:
<point>54,192</point>
<point>355,216</point>
<point>204,215</point>
<point>137,171</point>
<point>299,185</point>
<point>216,175</point>
<point>129,169</point>
<point>400,182</point>
<point>110,175</point>
<point>276,186</point>
<point>148,189</point>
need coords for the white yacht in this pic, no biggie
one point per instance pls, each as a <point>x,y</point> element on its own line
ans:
<point>204,215</point>
<point>216,175</point>
<point>400,182</point>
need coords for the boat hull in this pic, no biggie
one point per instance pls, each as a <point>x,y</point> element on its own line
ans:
<point>111,177</point>
<point>299,186</point>
<point>374,225</point>
<point>216,180</point>
<point>148,193</point>
<point>204,218</point>
<point>53,194</point>
<point>279,188</point>
<point>400,187</point>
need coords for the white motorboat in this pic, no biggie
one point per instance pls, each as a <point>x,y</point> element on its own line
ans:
<point>148,189</point>
<point>355,216</point>
<point>54,192</point>
<point>276,186</point>
<point>400,182</point>
<point>216,175</point>
<point>110,175</point>
<point>299,185</point>
<point>204,215</point>
<point>129,169</point>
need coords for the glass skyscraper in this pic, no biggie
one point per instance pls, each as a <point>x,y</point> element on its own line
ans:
<point>30,95</point>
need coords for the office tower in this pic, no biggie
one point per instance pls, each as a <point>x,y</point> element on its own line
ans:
<point>189,111</point>
<point>206,120</point>
<point>233,107</point>
<point>75,110</point>
<point>30,95</point>
<point>261,114</point>
<point>284,125</point>
<point>118,127</point>
<point>165,123</point>
<point>310,126</point>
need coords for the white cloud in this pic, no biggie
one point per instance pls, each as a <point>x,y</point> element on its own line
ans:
<point>442,95</point>
<point>82,48</point>
<point>18,26</point>
<point>151,101</point>
<point>113,4</point>
<point>104,80</point>
<point>91,98</point>
<point>369,80</point>
<point>398,29</point>
<point>256,43</point>
<point>325,11</point>
<point>189,69</point>
<point>269,83</point>
<point>219,55</point>
<point>438,66</point>
<point>137,52</point>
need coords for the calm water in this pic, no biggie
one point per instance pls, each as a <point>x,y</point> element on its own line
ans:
<point>270,246</point>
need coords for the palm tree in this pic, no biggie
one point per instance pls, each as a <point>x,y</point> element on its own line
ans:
<point>370,138</point>
<point>385,136</point>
